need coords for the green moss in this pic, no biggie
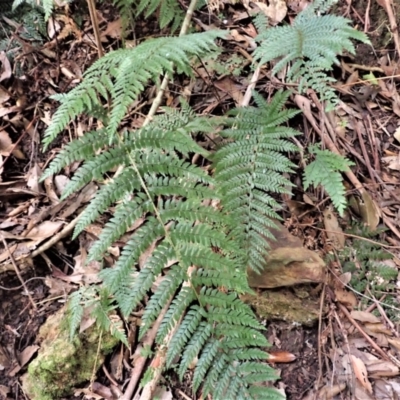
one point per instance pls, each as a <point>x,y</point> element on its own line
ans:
<point>61,364</point>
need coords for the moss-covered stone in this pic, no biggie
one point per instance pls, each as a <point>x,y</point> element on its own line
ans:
<point>61,364</point>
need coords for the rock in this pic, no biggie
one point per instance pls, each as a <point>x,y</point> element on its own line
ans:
<point>284,305</point>
<point>62,364</point>
<point>288,263</point>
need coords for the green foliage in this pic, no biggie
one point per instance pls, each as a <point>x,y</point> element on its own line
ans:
<point>311,46</point>
<point>98,301</point>
<point>120,77</point>
<point>159,183</point>
<point>31,27</point>
<point>46,5</point>
<point>367,263</point>
<point>169,11</point>
<point>250,166</point>
<point>325,170</point>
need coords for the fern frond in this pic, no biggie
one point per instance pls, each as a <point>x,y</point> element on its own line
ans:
<point>178,306</point>
<point>83,148</point>
<point>75,312</point>
<point>193,348</point>
<point>312,44</point>
<point>109,193</point>
<point>130,70</point>
<point>325,170</point>
<point>250,167</point>
<point>184,332</point>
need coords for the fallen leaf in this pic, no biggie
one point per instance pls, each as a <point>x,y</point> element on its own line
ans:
<point>360,372</point>
<point>32,178</point>
<point>369,211</point>
<point>113,30</point>
<point>365,316</point>
<point>227,85</point>
<point>6,67</point>
<point>348,299</point>
<point>333,230</point>
<point>280,357</point>
<point>276,10</point>
<point>397,134</point>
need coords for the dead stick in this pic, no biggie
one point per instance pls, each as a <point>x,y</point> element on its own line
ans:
<point>95,23</point>
<point>141,360</point>
<point>358,327</point>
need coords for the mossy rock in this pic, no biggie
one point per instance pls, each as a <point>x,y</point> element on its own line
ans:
<point>62,364</point>
<point>296,308</point>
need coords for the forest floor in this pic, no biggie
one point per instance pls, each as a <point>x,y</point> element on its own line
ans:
<point>353,353</point>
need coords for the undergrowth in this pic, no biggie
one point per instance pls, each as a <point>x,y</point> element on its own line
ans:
<point>200,231</point>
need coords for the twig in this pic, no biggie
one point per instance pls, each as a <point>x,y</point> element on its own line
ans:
<point>17,271</point>
<point>67,229</point>
<point>358,327</point>
<point>140,360</point>
<point>364,149</point>
<point>95,23</point>
<point>159,360</point>
<point>249,90</point>
<point>393,24</point>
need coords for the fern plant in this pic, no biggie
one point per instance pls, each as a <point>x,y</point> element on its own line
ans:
<point>30,18</point>
<point>193,241</point>
<point>203,230</point>
<point>367,262</point>
<point>325,170</point>
<point>309,48</point>
<point>169,11</point>
<point>46,5</point>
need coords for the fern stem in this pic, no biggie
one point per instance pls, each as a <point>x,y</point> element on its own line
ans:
<point>164,83</point>
<point>160,357</point>
<point>141,360</point>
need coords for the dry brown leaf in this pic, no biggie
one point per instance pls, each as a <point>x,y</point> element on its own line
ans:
<point>227,85</point>
<point>51,193</point>
<point>113,30</point>
<point>345,278</point>
<point>43,231</point>
<point>276,10</point>
<point>5,144</point>
<point>378,328</point>
<point>397,134</point>
<point>365,316</point>
<point>333,230</point>
<point>393,162</point>
<point>348,299</point>
<point>26,355</point>
<point>360,372</point>
<point>57,286</point>
<point>378,368</point>
<point>369,211</point>
<point>60,182</point>
<point>395,342</point>
<point>5,67</point>
<point>330,391</point>
<point>32,178</point>
<point>280,356</point>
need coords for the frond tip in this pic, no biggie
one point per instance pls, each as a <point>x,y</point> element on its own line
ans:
<point>325,170</point>
<point>121,75</point>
